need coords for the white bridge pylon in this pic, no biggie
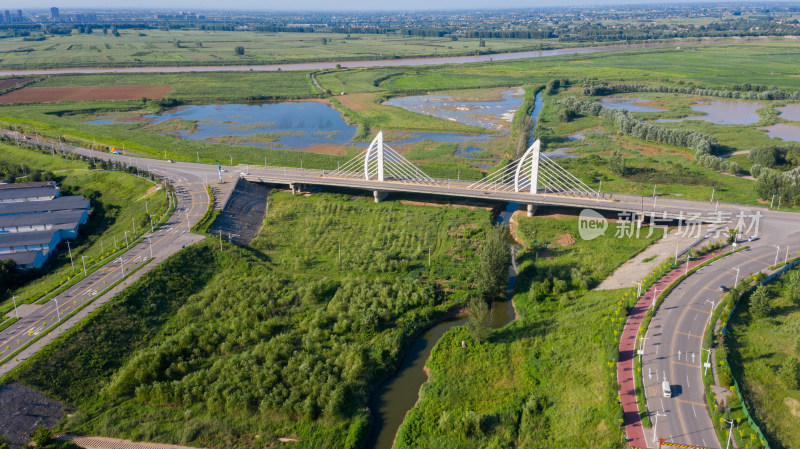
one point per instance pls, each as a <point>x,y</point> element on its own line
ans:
<point>379,162</point>
<point>535,173</point>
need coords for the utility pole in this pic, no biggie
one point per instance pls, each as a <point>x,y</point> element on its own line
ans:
<point>655,428</point>
<point>70,256</point>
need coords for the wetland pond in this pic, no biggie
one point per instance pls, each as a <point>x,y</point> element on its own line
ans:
<point>790,112</point>
<point>724,112</point>
<point>784,131</point>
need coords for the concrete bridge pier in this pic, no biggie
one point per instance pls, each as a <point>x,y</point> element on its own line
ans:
<point>379,196</point>
<point>295,188</point>
<point>531,209</point>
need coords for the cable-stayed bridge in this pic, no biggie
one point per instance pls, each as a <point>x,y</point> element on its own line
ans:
<point>532,180</point>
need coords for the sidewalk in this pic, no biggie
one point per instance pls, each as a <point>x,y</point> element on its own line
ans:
<point>627,351</point>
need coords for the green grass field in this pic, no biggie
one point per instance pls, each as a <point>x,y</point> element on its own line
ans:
<point>543,380</point>
<point>285,339</point>
<point>194,47</point>
<point>114,211</point>
<point>757,348</point>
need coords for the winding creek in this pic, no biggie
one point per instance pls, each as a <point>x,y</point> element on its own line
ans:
<point>391,402</point>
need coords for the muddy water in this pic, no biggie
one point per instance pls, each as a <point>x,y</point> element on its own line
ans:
<point>292,125</point>
<point>629,104</point>
<point>492,114</point>
<point>790,112</point>
<point>724,112</point>
<point>784,131</point>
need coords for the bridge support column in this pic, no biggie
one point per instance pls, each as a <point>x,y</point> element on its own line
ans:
<point>295,188</point>
<point>531,209</point>
<point>379,196</point>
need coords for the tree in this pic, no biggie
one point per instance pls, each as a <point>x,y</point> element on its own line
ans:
<point>3,443</point>
<point>493,258</point>
<point>789,373</point>
<point>480,319</point>
<point>766,157</point>
<point>42,436</point>
<point>481,43</point>
<point>617,163</point>
<point>239,50</point>
<point>793,286</point>
<point>759,303</point>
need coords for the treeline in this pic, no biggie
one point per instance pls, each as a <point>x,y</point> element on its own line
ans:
<point>702,144</point>
<point>739,91</point>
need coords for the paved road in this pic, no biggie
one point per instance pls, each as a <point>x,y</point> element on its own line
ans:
<point>674,340</point>
<point>349,64</point>
<point>192,202</point>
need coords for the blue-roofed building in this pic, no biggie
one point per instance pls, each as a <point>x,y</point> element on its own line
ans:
<point>35,218</point>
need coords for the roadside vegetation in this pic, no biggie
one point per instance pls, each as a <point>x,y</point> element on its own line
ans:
<point>762,346</point>
<point>115,211</point>
<point>236,348</point>
<point>544,379</point>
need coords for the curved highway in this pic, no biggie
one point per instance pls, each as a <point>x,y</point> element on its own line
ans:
<point>192,202</point>
<point>673,344</point>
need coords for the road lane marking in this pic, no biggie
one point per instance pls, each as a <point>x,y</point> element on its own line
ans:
<point>688,334</point>
<point>684,401</point>
<point>697,310</point>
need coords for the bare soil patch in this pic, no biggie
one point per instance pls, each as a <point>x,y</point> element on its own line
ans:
<point>82,93</point>
<point>13,82</point>
<point>335,150</point>
<point>794,406</point>
<point>357,102</point>
<point>566,240</point>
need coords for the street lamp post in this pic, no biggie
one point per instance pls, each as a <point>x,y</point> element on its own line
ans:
<point>126,239</point>
<point>83,259</point>
<point>655,295</point>
<point>655,428</point>
<point>151,246</point>
<point>58,313</point>
<point>736,282</point>
<point>14,298</point>
<point>70,256</point>
<point>777,250</point>
<point>730,434</point>
<point>638,288</point>
<point>122,268</point>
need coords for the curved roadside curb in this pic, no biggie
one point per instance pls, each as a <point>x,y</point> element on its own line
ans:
<point>634,429</point>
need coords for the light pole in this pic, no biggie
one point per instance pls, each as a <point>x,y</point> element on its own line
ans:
<point>151,246</point>
<point>220,239</point>
<point>707,364</point>
<point>687,264</point>
<point>58,313</point>
<point>654,195</point>
<point>655,428</point>
<point>713,189</point>
<point>710,313</point>
<point>786,258</point>
<point>736,282</point>
<point>776,254</point>
<point>730,433</point>
<point>655,295</point>
<point>14,298</point>
<point>638,288</point>
<point>133,221</point>
<point>70,256</point>
<point>641,348</point>
<point>122,268</point>
<point>151,224</point>
<point>126,239</point>
<point>83,259</point>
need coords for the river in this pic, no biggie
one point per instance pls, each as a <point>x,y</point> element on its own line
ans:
<point>342,64</point>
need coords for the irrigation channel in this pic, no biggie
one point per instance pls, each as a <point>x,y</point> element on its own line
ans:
<point>397,396</point>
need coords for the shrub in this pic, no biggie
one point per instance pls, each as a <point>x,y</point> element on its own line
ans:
<point>789,373</point>
<point>760,305</point>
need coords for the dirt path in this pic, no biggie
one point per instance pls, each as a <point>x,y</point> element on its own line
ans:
<point>635,269</point>
<point>115,443</point>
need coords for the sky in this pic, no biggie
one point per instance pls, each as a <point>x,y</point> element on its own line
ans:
<point>326,5</point>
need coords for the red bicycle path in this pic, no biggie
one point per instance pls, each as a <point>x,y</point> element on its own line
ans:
<point>627,351</point>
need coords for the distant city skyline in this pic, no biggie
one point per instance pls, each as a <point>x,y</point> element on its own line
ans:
<point>348,5</point>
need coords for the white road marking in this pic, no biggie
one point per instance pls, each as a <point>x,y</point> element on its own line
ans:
<point>695,317</point>
<point>687,382</point>
<point>662,406</point>
<point>695,415</point>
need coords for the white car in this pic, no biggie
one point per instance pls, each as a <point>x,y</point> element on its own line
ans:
<point>752,238</point>
<point>667,388</point>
